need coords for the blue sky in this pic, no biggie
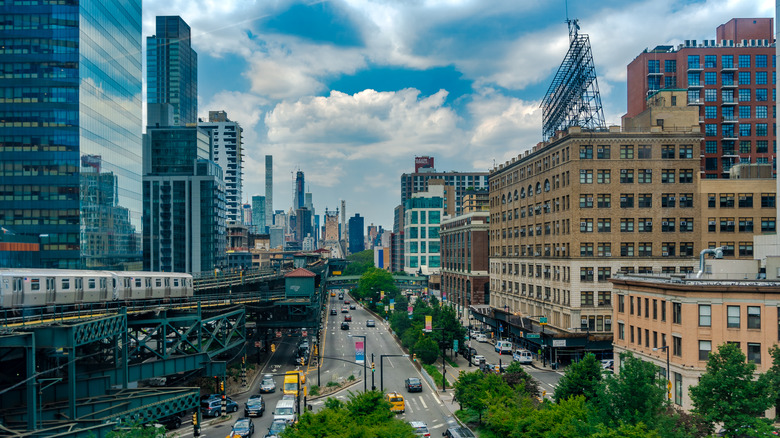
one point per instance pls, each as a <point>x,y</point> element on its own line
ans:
<point>350,91</point>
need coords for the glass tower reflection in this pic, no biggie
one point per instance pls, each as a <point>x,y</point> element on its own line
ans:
<point>70,131</point>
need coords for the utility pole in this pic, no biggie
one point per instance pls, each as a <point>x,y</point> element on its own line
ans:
<point>373,369</point>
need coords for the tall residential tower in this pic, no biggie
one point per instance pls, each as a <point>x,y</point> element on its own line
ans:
<point>227,152</point>
<point>269,190</point>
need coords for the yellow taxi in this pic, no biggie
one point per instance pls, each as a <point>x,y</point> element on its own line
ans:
<point>332,293</point>
<point>397,403</point>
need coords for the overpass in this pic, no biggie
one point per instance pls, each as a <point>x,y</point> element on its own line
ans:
<point>408,283</point>
<point>77,373</point>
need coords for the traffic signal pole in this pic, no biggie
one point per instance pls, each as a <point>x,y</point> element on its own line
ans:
<point>373,369</point>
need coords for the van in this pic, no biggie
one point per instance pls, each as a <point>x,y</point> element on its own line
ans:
<point>522,356</point>
<point>290,385</point>
<point>285,410</point>
<point>397,402</point>
<point>482,337</point>
<point>504,347</point>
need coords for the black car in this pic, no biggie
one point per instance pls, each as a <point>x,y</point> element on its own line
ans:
<point>468,352</point>
<point>352,306</point>
<point>413,384</point>
<point>334,312</point>
<point>458,432</point>
<point>255,406</point>
<point>345,325</point>
<point>243,428</point>
<point>171,422</point>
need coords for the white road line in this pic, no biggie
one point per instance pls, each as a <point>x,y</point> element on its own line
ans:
<point>423,403</point>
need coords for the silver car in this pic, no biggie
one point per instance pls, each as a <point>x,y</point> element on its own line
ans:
<point>268,384</point>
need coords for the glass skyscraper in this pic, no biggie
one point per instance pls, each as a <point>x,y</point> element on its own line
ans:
<point>172,69</point>
<point>70,130</point>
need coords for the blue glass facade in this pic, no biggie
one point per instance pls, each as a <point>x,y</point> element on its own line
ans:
<point>70,136</point>
<point>172,69</point>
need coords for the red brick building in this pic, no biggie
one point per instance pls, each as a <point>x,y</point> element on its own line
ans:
<point>464,258</point>
<point>732,81</point>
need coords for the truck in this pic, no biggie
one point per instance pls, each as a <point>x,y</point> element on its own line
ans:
<point>291,379</point>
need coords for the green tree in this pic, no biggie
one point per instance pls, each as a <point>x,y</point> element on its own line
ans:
<point>372,282</point>
<point>581,378</point>
<point>134,430</point>
<point>359,262</point>
<point>569,418</point>
<point>426,349</point>
<point>636,395</point>
<point>517,378</point>
<point>728,393</point>
<point>773,375</point>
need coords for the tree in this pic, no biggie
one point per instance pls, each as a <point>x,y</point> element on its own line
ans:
<point>636,395</point>
<point>475,390</point>
<point>426,350</point>
<point>518,379</point>
<point>728,392</point>
<point>581,378</point>
<point>372,282</point>
<point>135,430</point>
<point>569,418</point>
<point>773,374</point>
<point>359,262</point>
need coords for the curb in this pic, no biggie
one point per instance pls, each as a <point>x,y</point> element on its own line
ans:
<point>351,384</point>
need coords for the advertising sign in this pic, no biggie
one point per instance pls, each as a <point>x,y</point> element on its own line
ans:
<point>428,322</point>
<point>392,304</point>
<point>360,352</point>
<point>381,295</point>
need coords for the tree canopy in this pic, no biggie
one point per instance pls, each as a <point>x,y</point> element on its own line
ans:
<point>581,378</point>
<point>359,262</point>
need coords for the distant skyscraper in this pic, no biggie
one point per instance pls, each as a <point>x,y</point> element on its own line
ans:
<point>269,190</point>
<point>258,214</point>
<point>227,153</point>
<point>246,217</point>
<point>172,69</point>
<point>424,171</point>
<point>356,237</point>
<point>71,140</point>
<point>299,198</point>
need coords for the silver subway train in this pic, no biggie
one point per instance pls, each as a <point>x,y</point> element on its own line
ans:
<point>21,288</point>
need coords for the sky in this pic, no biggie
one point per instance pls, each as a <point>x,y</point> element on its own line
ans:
<point>350,91</point>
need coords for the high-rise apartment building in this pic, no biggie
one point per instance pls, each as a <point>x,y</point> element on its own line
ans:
<point>423,215</point>
<point>227,152</point>
<point>172,69</point>
<point>572,211</point>
<point>184,202</point>
<point>731,80</point>
<point>71,131</point>
<point>269,190</point>
<point>258,214</point>
<point>356,226</point>
<point>298,202</point>
<point>459,181</point>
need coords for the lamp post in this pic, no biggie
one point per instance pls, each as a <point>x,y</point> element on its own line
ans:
<point>381,369</point>
<point>668,375</point>
<point>471,318</point>
<point>365,350</point>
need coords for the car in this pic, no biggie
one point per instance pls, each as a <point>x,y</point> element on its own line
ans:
<point>170,422</point>
<point>397,402</point>
<point>255,406</point>
<point>607,364</point>
<point>268,384</point>
<point>277,427</point>
<point>210,396</point>
<point>481,338</point>
<point>352,306</point>
<point>458,432</point>
<point>468,352</point>
<point>344,309</point>
<point>348,317</point>
<point>420,428</point>
<point>341,296</point>
<point>347,302</point>
<point>333,294</point>
<point>370,323</point>
<point>478,359</point>
<point>413,384</point>
<point>243,428</point>
<point>345,325</point>
<point>522,356</point>
<point>334,312</point>
<point>213,407</point>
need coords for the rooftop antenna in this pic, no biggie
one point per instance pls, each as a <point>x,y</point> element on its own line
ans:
<point>573,24</point>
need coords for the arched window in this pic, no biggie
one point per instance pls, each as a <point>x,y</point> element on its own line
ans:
<point>547,185</point>
<point>530,190</point>
<point>515,195</point>
<point>522,193</point>
<point>538,188</point>
<point>503,199</point>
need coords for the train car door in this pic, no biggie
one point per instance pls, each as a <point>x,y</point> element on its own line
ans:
<point>78,284</point>
<point>17,297</point>
<point>167,282</point>
<point>103,289</point>
<point>51,291</point>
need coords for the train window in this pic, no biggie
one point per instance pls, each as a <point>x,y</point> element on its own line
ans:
<point>127,282</point>
<point>137,282</point>
<point>113,283</point>
<point>91,284</point>
<point>35,284</point>
<point>18,284</point>
<point>148,282</point>
<point>65,283</point>
<point>175,282</point>
<point>157,282</point>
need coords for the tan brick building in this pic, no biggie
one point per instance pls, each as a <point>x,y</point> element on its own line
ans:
<point>691,317</point>
<point>573,211</point>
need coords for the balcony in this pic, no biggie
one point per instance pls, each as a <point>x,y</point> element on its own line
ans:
<point>695,86</point>
<point>731,119</point>
<point>695,67</point>
<point>695,102</point>
<point>727,102</point>
<point>729,85</point>
<point>728,68</point>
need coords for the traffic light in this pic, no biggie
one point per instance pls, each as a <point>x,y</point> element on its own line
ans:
<point>195,419</point>
<point>221,386</point>
<point>414,357</point>
<point>373,369</point>
<point>273,348</point>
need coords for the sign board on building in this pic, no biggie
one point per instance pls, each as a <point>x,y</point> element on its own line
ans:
<point>532,336</point>
<point>559,342</point>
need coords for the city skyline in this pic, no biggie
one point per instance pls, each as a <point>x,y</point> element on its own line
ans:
<point>350,94</point>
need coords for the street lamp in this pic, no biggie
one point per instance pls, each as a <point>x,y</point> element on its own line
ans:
<point>668,375</point>
<point>471,318</point>
<point>365,350</point>
<point>381,369</point>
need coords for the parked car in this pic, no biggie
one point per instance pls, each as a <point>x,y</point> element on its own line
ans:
<point>467,352</point>
<point>420,428</point>
<point>482,338</point>
<point>345,325</point>
<point>276,429</point>
<point>255,406</point>
<point>268,384</point>
<point>413,384</point>
<point>213,407</point>
<point>243,428</point>
<point>478,359</point>
<point>171,422</point>
<point>370,323</point>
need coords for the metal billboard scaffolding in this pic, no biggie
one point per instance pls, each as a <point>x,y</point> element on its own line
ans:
<point>573,97</point>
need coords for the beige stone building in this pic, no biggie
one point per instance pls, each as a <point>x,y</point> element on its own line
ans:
<point>690,317</point>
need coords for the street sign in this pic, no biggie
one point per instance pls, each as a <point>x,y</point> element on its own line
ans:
<point>278,333</point>
<point>257,344</point>
<point>360,352</point>
<point>304,333</point>
<point>532,336</point>
<point>559,343</point>
<point>455,345</point>
<point>543,320</point>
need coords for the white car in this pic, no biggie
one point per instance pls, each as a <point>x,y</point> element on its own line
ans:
<point>478,359</point>
<point>522,356</point>
<point>482,338</point>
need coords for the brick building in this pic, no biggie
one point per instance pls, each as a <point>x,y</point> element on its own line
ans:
<point>464,259</point>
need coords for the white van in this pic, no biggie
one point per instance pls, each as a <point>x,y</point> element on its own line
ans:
<point>482,337</point>
<point>285,410</point>
<point>522,356</point>
<point>503,347</point>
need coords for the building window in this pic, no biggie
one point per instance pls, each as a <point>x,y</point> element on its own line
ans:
<point>605,249</point>
<point>631,304</point>
<point>604,201</point>
<point>678,389</point>
<point>686,200</point>
<point>710,78</point>
<point>710,129</point>
<point>753,317</point>
<point>645,200</point>
<point>677,313</point>
<point>746,225</point>
<point>602,152</point>
<point>663,312</point>
<point>705,347</point>
<point>754,352</point>
<point>626,176</point>
<point>626,200</point>
<point>586,249</point>
<point>627,249</point>
<point>645,249</point>
<point>761,112</point>
<point>586,176</point>
<point>586,201</point>
<point>676,346</point>
<point>586,225</point>
<point>586,152</point>
<point>768,225</point>
<point>627,225</point>
<point>645,176</point>
<point>631,331</point>
<point>705,315</point>
<point>686,151</point>
<point>626,152</point>
<point>622,304</point>
<point>744,94</point>
<point>760,61</point>
<point>586,298</point>
<point>604,225</point>
<point>686,176</point>
<point>710,95</point>
<point>667,151</point>
<point>603,176</point>
<point>667,200</point>
<point>745,200</point>
<point>744,61</point>
<point>732,320</point>
<point>604,274</point>
<point>744,78</point>
<point>645,225</point>
<point>670,65</point>
<point>644,152</point>
<point>586,274</point>
<point>621,331</point>
<point>745,249</point>
<point>767,200</point>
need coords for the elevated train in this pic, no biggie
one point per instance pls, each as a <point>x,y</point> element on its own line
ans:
<point>24,288</point>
